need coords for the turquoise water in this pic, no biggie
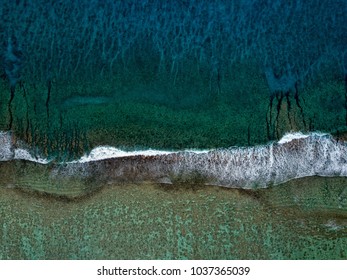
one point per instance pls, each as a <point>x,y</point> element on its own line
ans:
<point>173,76</point>
<point>303,219</point>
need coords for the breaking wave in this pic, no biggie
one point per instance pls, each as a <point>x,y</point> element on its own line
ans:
<point>296,155</point>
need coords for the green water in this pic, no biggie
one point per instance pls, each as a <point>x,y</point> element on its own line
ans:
<point>136,114</point>
<point>168,76</point>
<point>302,219</point>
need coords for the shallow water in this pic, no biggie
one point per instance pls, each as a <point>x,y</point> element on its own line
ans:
<point>302,219</point>
<point>113,204</point>
<point>92,124</point>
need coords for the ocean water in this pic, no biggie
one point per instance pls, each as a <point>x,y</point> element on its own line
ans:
<point>113,204</point>
<point>302,219</point>
<point>173,129</point>
<point>296,155</point>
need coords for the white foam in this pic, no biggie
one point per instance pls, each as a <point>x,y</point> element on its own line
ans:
<point>314,154</point>
<point>9,152</point>
<point>288,137</point>
<point>317,155</point>
<point>106,152</point>
<point>6,150</point>
<point>260,166</point>
<point>25,155</point>
<point>194,151</point>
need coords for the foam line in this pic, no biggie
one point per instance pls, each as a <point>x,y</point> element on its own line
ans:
<point>296,155</point>
<point>8,152</point>
<point>25,155</point>
<point>106,152</point>
<point>288,137</point>
<point>6,149</point>
<point>316,154</point>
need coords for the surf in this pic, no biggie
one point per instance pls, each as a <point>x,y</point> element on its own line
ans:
<point>295,155</point>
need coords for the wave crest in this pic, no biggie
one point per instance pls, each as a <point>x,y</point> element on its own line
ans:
<point>296,155</point>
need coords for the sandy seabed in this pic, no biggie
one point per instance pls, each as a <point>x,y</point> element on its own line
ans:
<point>302,219</point>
